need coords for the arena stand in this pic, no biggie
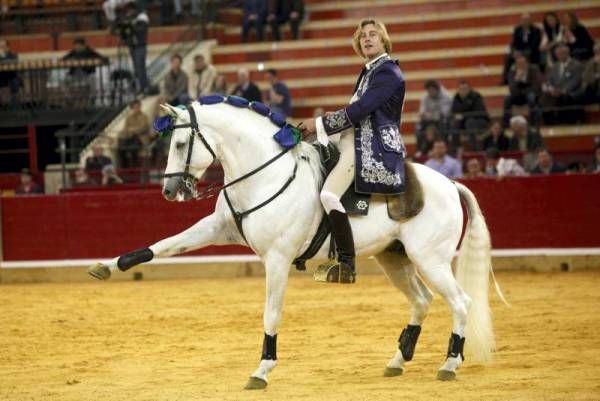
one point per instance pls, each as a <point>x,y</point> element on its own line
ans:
<point>444,39</point>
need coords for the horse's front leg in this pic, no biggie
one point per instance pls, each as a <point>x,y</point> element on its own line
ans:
<point>211,230</point>
<point>277,269</point>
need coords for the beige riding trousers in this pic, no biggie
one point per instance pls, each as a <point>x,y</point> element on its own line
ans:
<point>342,175</point>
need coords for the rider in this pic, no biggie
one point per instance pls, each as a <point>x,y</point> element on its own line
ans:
<point>371,149</point>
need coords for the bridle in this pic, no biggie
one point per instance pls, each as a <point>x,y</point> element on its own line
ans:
<point>190,180</point>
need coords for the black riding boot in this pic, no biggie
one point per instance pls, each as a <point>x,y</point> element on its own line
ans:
<point>343,271</point>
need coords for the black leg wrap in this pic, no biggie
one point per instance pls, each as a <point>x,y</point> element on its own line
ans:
<point>408,341</point>
<point>269,350</point>
<point>456,346</point>
<point>134,258</point>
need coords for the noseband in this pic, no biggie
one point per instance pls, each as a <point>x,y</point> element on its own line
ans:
<point>190,181</point>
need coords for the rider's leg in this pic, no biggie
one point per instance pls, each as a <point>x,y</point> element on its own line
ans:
<point>334,187</point>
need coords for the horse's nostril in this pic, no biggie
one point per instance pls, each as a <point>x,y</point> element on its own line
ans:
<point>167,192</point>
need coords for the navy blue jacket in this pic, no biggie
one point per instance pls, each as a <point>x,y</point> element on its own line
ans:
<point>375,116</point>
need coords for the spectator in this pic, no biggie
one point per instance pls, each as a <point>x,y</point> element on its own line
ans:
<point>109,175</point>
<point>434,108</point>
<point>219,85</point>
<point>524,139</point>
<point>562,87</point>
<point>591,79</point>
<point>525,86</point>
<point>97,161</point>
<point>469,115</point>
<point>282,11</point>
<point>496,138</point>
<point>552,35</point>
<point>135,132</point>
<point>9,80</point>
<point>203,78</point>
<point>497,166</point>
<point>526,39</point>
<point>441,162</point>
<point>27,186</point>
<point>474,169</point>
<point>133,30</point>
<point>577,37</point>
<point>596,162</point>
<point>545,165</point>
<point>82,179</point>
<point>81,51</point>
<point>425,145</point>
<point>246,88</point>
<point>176,83</point>
<point>254,14</point>
<point>278,95</point>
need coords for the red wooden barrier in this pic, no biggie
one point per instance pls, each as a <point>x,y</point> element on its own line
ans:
<point>529,212</point>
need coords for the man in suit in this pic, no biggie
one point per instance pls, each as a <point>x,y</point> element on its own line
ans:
<point>525,86</point>
<point>562,87</point>
<point>545,165</point>
<point>526,40</point>
<point>246,88</point>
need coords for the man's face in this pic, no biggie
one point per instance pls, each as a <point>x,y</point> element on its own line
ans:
<point>371,42</point>
<point>25,179</point>
<point>525,20</point>
<point>199,64</point>
<point>97,151</point>
<point>243,77</point>
<point>175,64</point>
<point>270,78</point>
<point>518,128</point>
<point>544,160</point>
<point>136,107</point>
<point>496,129</point>
<point>79,47</point>
<point>463,90</point>
<point>432,91</point>
<point>439,149</point>
<point>473,167</point>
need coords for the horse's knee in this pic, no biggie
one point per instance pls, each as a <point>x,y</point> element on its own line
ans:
<point>331,202</point>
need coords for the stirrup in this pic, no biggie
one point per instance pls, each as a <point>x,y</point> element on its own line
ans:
<point>335,272</point>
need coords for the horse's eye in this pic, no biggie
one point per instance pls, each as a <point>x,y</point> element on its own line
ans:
<point>180,145</point>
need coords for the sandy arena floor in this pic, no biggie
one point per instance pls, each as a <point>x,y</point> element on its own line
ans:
<point>201,339</point>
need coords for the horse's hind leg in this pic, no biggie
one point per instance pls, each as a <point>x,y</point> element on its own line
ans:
<point>402,274</point>
<point>442,280</point>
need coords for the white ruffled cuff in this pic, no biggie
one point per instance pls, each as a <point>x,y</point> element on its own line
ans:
<point>322,136</point>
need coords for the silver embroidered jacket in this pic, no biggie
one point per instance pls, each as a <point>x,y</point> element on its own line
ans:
<point>375,117</point>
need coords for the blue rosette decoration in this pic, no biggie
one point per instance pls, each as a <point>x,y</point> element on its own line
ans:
<point>163,126</point>
<point>288,136</point>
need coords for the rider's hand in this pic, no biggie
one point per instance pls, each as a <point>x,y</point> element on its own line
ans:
<point>308,127</point>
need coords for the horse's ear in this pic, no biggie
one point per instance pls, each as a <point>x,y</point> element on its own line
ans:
<point>170,110</point>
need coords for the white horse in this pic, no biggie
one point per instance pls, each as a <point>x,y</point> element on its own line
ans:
<point>281,230</point>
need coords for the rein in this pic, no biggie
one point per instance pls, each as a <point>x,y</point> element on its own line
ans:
<point>190,181</point>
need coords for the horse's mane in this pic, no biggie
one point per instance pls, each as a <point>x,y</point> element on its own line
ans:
<point>278,120</point>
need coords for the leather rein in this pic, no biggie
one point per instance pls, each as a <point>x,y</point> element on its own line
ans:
<point>190,180</point>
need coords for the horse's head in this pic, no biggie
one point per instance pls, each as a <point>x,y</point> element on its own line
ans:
<point>190,154</point>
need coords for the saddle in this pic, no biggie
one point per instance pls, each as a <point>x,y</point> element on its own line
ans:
<point>400,207</point>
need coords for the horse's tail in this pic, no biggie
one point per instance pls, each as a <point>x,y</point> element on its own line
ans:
<point>474,266</point>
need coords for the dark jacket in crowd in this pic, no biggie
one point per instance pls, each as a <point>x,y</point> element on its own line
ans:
<point>283,8</point>
<point>133,31</point>
<point>258,7</point>
<point>532,82</point>
<point>528,42</point>
<point>96,163</point>
<point>471,106</point>
<point>556,168</point>
<point>86,54</point>
<point>502,143</point>
<point>251,92</point>
<point>583,47</point>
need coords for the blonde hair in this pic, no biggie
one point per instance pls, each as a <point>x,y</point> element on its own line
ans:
<point>379,27</point>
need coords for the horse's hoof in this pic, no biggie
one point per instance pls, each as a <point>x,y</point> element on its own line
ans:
<point>391,372</point>
<point>254,383</point>
<point>99,271</point>
<point>446,375</point>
